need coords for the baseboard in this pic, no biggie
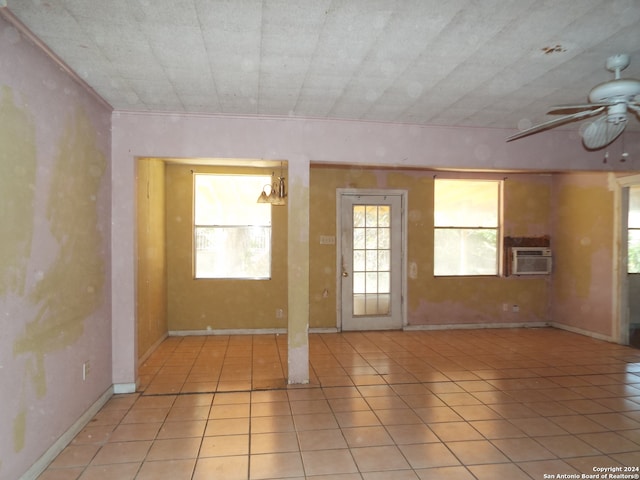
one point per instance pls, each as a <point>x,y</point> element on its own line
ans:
<point>580,331</point>
<point>476,326</point>
<point>240,331</point>
<point>120,388</point>
<point>323,330</point>
<point>65,439</point>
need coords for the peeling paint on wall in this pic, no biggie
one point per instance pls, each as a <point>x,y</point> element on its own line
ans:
<point>19,430</point>
<point>72,287</point>
<point>17,179</point>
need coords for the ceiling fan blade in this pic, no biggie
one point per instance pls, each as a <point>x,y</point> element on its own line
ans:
<point>567,109</point>
<point>601,132</point>
<point>555,122</point>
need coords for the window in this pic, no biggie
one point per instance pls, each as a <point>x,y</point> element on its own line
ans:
<point>633,264</point>
<point>232,232</point>
<point>467,227</point>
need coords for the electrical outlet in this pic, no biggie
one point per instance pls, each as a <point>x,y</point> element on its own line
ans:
<point>515,308</point>
<point>86,369</point>
<point>279,313</point>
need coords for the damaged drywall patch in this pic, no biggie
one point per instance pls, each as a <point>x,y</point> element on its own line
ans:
<point>19,430</point>
<point>17,180</point>
<point>71,288</point>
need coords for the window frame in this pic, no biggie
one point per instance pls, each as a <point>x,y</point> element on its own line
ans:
<point>499,228</point>
<point>634,189</point>
<point>195,226</point>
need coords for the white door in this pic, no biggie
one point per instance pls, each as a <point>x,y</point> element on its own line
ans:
<point>371,261</point>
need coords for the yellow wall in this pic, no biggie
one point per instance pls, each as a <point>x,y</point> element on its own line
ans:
<point>208,304</point>
<point>431,300</point>
<point>529,199</point>
<point>151,262</point>
<point>584,243</point>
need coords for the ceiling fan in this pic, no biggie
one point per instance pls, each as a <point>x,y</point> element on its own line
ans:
<point>612,99</point>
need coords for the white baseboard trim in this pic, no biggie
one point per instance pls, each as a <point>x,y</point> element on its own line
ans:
<point>323,330</point>
<point>239,331</point>
<point>119,388</point>
<point>580,331</point>
<point>476,326</point>
<point>65,439</point>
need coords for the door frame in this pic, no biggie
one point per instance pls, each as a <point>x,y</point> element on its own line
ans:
<point>404,196</point>
<point>622,320</point>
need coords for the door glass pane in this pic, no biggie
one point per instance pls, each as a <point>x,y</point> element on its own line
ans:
<point>371,259</point>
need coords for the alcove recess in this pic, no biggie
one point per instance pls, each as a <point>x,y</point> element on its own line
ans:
<point>511,242</point>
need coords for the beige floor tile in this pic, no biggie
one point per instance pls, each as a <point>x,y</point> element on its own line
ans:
<point>379,458</point>
<point>476,412</point>
<point>577,424</point>
<point>360,418</point>
<point>319,421</point>
<point>146,415</point>
<point>538,469</point>
<point>122,452</point>
<point>93,434</point>
<point>349,404</point>
<point>614,421</point>
<point>227,426</point>
<point>523,398</point>
<point>455,431</point>
<point>523,449</point>
<point>495,471</point>
<point>408,434</point>
<point>587,464</point>
<point>167,470</point>
<point>398,416</point>
<point>495,429</point>
<point>241,410</point>
<point>476,452</point>
<point>275,465</point>
<point>428,455</point>
<point>229,468</point>
<point>437,414</point>
<point>61,473</point>
<point>567,446</point>
<point>188,428</point>
<point>537,426</point>
<point>127,432</point>
<point>235,398</point>
<point>224,445</point>
<point>322,439</point>
<point>274,442</point>
<point>122,471</point>
<point>174,449</point>
<point>609,442</point>
<point>367,436</point>
<point>445,473</point>
<point>270,409</point>
<point>281,423</point>
<point>305,407</point>
<point>391,475</point>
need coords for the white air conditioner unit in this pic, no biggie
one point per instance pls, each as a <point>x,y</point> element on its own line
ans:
<point>531,261</point>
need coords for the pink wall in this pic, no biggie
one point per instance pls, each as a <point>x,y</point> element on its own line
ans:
<point>55,278</point>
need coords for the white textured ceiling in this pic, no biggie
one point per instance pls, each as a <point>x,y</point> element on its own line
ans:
<point>481,63</point>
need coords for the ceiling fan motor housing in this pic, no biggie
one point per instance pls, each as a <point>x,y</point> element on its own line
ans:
<point>622,90</point>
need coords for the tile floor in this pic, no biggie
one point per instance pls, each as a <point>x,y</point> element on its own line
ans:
<point>463,405</point>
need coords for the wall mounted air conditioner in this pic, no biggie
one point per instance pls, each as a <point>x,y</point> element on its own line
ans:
<point>531,261</point>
